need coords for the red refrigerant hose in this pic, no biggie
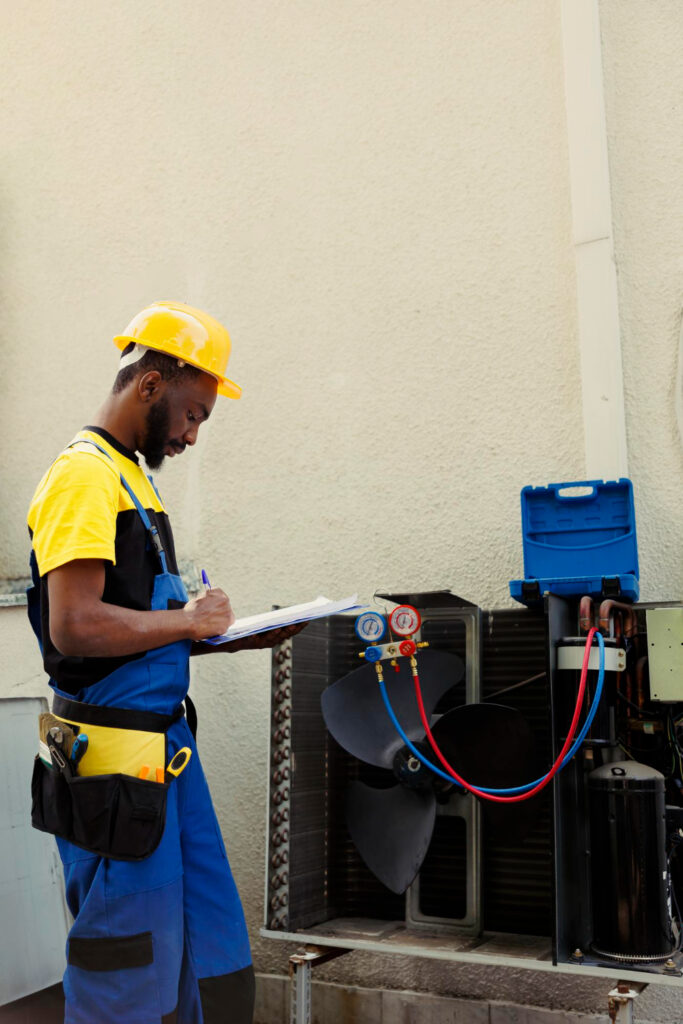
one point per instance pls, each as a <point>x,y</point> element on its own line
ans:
<point>560,757</point>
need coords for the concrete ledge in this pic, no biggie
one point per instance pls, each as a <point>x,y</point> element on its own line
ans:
<point>342,1004</point>
<point>13,591</point>
<point>509,1013</point>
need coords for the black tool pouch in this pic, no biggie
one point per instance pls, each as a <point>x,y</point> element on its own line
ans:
<point>115,816</point>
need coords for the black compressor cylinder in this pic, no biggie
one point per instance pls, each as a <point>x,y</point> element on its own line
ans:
<point>630,877</point>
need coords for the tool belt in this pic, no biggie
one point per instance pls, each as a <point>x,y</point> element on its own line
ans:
<point>105,808</point>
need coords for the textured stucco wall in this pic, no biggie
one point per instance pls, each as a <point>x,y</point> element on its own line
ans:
<point>375,199</point>
<point>377,205</point>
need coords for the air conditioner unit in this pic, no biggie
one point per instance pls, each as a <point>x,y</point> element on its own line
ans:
<point>577,881</point>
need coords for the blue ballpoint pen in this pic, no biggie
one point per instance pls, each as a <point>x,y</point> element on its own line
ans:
<point>205,581</point>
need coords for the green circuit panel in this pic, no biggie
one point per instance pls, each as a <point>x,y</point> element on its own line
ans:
<point>665,653</point>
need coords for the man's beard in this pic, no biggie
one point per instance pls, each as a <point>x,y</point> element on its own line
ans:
<point>156,439</point>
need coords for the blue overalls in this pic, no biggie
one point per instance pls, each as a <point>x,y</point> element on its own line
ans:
<point>162,940</point>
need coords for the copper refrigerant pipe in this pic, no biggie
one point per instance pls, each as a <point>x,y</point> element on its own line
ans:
<point>618,632</point>
<point>640,681</point>
<point>630,621</point>
<point>586,613</point>
<point>629,688</point>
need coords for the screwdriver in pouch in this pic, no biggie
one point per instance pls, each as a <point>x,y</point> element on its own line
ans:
<point>79,747</point>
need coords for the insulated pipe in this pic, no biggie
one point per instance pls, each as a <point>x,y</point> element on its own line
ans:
<point>528,790</point>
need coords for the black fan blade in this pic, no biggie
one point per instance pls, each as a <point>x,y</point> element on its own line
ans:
<point>391,829</point>
<point>355,714</point>
<point>492,745</point>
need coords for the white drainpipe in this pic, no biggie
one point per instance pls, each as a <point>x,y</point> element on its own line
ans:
<point>596,280</point>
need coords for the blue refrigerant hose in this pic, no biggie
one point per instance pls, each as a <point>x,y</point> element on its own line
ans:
<point>529,785</point>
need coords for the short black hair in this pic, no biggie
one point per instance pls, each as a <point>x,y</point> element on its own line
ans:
<point>167,366</point>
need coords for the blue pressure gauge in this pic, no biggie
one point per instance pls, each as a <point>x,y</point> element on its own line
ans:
<point>370,627</point>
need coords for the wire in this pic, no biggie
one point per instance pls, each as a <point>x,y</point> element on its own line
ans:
<point>515,686</point>
<point>630,703</point>
<point>679,919</point>
<point>530,788</point>
<point>674,737</point>
<point>675,747</point>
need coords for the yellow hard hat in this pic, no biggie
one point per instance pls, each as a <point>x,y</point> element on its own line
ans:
<point>186,333</point>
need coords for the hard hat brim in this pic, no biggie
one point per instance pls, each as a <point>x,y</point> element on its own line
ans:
<point>226,387</point>
<point>229,388</point>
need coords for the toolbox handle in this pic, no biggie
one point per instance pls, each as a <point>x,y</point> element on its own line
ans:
<point>575,492</point>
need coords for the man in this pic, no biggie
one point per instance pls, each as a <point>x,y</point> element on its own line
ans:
<point>159,934</point>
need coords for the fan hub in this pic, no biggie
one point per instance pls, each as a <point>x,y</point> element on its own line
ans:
<point>410,771</point>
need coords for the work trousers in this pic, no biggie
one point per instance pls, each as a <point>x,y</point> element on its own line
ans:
<point>162,940</point>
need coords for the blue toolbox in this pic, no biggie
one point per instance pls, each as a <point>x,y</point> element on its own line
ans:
<point>579,538</point>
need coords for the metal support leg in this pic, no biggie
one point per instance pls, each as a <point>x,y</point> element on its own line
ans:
<point>620,1001</point>
<point>301,965</point>
<point>300,973</point>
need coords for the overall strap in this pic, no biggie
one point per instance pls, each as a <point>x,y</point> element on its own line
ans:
<point>154,488</point>
<point>154,537</point>
<point>33,600</point>
<point>151,529</point>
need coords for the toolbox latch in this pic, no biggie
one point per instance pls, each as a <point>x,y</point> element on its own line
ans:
<point>611,587</point>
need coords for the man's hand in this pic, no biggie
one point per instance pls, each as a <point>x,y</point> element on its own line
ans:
<point>270,638</point>
<point>209,614</point>
<point>255,642</point>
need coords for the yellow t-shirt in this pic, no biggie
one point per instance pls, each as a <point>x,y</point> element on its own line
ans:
<point>73,513</point>
<point>81,510</point>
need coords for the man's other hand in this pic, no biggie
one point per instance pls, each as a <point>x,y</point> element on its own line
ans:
<point>269,638</point>
<point>255,642</point>
<point>209,614</point>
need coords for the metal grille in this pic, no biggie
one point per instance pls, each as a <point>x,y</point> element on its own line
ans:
<point>310,810</point>
<point>326,877</point>
<point>517,877</point>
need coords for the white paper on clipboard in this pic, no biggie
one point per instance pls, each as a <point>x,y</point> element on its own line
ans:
<point>318,609</point>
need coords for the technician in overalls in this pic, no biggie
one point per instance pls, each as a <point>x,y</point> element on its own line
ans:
<point>159,934</point>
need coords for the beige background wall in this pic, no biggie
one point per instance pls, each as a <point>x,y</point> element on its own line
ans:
<point>643,88</point>
<point>374,198</point>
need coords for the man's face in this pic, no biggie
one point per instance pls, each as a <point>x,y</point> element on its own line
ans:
<point>174,418</point>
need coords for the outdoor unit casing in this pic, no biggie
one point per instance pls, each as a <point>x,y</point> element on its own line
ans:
<point>480,895</point>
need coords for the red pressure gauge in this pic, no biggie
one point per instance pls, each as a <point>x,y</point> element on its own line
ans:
<point>405,620</point>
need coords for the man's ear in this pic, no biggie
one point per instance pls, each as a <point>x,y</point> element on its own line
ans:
<point>150,385</point>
